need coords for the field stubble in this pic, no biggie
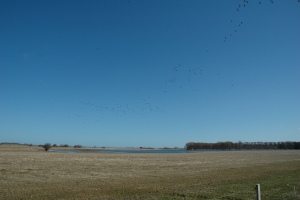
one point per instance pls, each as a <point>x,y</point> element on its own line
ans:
<point>225,175</point>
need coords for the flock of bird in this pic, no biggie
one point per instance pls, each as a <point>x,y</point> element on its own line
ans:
<point>181,75</point>
<point>241,6</point>
<point>196,72</point>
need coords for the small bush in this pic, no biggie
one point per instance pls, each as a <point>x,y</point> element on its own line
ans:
<point>47,146</point>
<point>77,146</point>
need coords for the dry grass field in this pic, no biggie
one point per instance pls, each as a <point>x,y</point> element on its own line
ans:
<point>31,173</point>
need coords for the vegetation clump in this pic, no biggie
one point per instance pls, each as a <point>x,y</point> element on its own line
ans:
<point>47,146</point>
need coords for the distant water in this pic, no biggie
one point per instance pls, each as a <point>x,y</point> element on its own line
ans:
<point>63,151</point>
<point>159,151</point>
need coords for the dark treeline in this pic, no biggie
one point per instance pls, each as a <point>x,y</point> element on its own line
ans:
<point>242,145</point>
<point>14,143</point>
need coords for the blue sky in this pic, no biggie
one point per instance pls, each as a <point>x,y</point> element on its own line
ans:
<point>149,73</point>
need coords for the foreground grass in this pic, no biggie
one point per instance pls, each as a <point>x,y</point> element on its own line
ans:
<point>230,175</point>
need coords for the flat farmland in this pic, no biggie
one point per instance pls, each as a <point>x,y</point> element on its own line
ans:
<point>31,173</point>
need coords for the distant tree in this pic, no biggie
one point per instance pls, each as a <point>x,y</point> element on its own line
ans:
<point>297,145</point>
<point>47,146</point>
<point>54,145</point>
<point>77,146</point>
<point>190,146</point>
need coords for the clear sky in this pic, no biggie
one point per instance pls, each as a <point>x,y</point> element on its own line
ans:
<point>149,73</point>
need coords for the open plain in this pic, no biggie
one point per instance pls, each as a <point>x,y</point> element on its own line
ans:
<point>31,173</point>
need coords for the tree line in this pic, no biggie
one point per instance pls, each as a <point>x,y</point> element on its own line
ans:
<point>15,143</point>
<point>241,145</point>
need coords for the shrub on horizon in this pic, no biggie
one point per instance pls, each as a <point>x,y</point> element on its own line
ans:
<point>47,146</point>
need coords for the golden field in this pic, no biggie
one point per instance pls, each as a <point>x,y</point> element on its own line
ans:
<point>31,173</point>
